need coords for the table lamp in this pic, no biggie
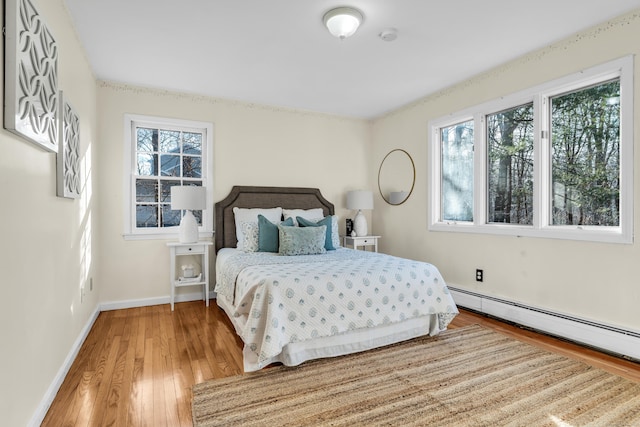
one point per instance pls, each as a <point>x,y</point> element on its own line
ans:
<point>188,197</point>
<point>360,199</point>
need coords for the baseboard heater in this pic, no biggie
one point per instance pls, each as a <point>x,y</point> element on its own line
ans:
<point>611,339</point>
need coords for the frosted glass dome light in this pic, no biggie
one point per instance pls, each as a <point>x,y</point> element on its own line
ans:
<point>343,22</point>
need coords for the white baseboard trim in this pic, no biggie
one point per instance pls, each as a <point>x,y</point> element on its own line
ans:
<point>145,302</point>
<point>51,392</point>
<point>612,339</point>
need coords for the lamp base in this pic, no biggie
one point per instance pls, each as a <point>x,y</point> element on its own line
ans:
<point>360,224</point>
<point>188,228</point>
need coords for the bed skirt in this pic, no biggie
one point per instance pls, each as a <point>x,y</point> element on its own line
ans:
<point>353,341</point>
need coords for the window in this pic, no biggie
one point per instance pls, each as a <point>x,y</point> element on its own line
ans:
<point>162,153</point>
<point>585,162</point>
<point>552,161</point>
<point>457,171</point>
<point>510,165</point>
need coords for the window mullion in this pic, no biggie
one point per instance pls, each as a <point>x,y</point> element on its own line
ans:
<point>480,171</point>
<point>541,165</point>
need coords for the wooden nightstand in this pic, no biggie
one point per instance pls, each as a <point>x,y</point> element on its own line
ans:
<point>363,241</point>
<point>184,249</point>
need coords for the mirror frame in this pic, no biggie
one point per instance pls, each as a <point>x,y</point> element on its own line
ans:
<point>413,182</point>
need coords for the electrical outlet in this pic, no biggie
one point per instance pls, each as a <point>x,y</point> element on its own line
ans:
<point>479,275</point>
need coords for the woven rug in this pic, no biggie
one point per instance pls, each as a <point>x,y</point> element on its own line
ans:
<point>470,376</point>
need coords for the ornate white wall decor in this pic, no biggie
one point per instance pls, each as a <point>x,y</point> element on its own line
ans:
<point>68,157</point>
<point>31,76</point>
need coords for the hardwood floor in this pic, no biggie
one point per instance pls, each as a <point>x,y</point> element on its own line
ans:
<point>137,365</point>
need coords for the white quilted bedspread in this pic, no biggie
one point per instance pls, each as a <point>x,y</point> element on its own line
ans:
<point>282,300</point>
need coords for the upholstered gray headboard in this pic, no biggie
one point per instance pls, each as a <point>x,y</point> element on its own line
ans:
<point>262,197</point>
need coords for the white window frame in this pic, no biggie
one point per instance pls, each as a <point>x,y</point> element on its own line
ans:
<point>539,95</point>
<point>131,232</point>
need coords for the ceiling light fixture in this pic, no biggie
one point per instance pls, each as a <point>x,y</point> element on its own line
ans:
<point>343,22</point>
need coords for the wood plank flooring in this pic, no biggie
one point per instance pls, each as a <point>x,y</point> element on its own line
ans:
<point>137,366</point>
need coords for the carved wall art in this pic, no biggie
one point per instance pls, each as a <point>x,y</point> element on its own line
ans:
<point>31,76</point>
<point>68,157</point>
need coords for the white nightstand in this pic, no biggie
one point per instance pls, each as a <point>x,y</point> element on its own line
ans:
<point>363,241</point>
<point>183,249</point>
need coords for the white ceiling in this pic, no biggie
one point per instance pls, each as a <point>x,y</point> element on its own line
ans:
<point>277,52</point>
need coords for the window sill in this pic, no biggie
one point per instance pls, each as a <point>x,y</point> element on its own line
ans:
<point>163,236</point>
<point>588,234</point>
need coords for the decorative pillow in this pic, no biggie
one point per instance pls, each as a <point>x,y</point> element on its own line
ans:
<point>310,214</point>
<point>327,222</point>
<point>302,241</point>
<point>250,236</point>
<point>268,240</point>
<point>335,233</point>
<point>251,215</point>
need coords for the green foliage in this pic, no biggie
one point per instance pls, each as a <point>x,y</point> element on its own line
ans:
<point>585,142</point>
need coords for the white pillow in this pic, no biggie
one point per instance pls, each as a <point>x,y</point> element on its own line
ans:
<point>242,215</point>
<point>310,214</point>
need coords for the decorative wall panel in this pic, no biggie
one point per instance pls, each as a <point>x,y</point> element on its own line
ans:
<point>31,76</point>
<point>68,183</point>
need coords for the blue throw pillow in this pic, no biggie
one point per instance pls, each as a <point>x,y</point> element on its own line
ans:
<point>268,234</point>
<point>302,241</point>
<point>327,221</point>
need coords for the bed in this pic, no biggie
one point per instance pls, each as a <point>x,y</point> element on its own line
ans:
<point>324,302</point>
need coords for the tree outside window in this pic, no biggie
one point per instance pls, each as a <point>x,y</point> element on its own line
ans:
<point>585,140</point>
<point>510,165</point>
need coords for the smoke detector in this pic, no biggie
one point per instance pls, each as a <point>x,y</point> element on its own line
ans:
<point>388,34</point>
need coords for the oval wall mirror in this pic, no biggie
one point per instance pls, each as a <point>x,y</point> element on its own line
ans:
<point>396,177</point>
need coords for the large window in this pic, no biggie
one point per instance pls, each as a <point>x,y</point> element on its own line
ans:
<point>163,153</point>
<point>553,161</point>
<point>585,161</point>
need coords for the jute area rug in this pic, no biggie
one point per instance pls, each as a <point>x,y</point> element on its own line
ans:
<point>470,376</point>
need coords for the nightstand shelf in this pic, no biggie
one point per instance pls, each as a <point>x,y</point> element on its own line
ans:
<point>361,241</point>
<point>178,250</point>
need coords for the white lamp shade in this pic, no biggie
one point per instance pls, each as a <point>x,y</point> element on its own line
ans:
<point>189,197</point>
<point>360,199</point>
<point>343,22</point>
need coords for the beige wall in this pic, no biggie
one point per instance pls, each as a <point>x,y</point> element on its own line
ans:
<point>48,245</point>
<point>591,280</point>
<point>253,145</point>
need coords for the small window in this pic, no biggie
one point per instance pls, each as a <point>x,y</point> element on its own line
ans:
<point>165,153</point>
